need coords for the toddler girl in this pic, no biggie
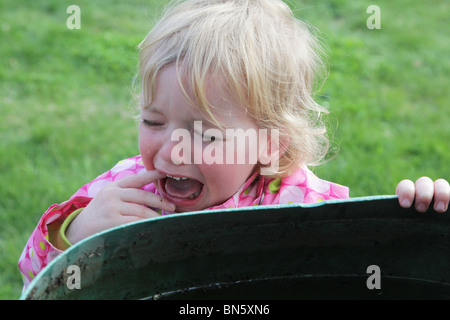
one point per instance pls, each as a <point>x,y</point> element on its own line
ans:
<point>227,119</point>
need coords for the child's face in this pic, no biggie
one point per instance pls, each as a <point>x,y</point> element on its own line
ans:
<point>168,123</point>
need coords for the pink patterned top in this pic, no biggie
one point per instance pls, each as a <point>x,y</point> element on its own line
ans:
<point>301,187</point>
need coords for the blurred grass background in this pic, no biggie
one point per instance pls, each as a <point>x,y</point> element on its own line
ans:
<point>66,102</point>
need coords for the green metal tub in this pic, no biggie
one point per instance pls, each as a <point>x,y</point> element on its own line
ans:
<point>365,248</point>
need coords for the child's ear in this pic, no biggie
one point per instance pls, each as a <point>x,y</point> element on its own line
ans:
<point>271,148</point>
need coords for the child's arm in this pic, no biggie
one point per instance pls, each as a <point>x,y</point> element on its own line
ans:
<point>46,242</point>
<point>117,203</point>
<point>423,192</point>
<point>41,247</point>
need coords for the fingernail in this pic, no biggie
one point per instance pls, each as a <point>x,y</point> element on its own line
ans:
<point>421,207</point>
<point>170,206</point>
<point>440,206</point>
<point>406,203</point>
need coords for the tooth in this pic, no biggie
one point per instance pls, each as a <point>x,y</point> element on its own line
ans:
<point>177,178</point>
<point>194,195</point>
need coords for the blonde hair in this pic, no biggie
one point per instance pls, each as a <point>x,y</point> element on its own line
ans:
<point>269,59</point>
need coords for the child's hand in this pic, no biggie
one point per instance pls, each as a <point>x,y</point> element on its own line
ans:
<point>118,203</point>
<point>422,193</point>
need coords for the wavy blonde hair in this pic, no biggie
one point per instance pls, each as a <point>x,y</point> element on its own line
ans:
<point>269,58</point>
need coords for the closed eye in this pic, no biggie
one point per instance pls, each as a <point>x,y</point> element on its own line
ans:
<point>150,123</point>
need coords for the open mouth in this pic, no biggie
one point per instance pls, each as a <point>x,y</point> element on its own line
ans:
<point>181,191</point>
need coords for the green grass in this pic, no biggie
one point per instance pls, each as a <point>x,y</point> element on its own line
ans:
<point>387,91</point>
<point>66,100</point>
